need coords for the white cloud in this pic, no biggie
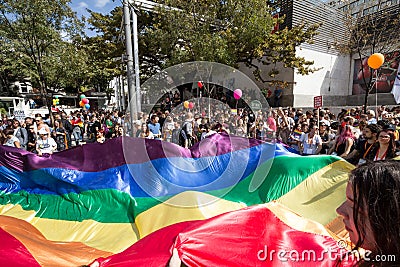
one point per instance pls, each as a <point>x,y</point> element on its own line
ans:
<point>101,3</point>
<point>82,5</point>
<point>66,37</point>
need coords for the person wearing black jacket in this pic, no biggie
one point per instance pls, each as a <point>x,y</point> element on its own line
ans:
<point>93,127</point>
<point>67,126</point>
<point>31,146</point>
<point>364,149</point>
<point>20,133</point>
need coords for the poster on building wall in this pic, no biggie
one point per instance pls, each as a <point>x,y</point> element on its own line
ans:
<point>387,74</point>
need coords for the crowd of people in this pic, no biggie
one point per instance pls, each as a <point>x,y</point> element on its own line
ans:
<point>43,135</point>
<point>351,134</point>
<point>373,188</point>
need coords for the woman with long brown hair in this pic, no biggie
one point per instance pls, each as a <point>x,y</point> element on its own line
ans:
<point>371,213</point>
<point>385,148</point>
<point>344,143</point>
<point>145,132</point>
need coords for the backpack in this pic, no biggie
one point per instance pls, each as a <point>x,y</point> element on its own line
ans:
<point>23,139</point>
<point>182,138</point>
<point>184,135</point>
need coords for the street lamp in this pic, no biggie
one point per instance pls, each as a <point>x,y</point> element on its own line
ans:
<point>133,55</point>
<point>129,65</point>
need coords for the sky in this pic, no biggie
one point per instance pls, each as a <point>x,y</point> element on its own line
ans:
<point>100,6</point>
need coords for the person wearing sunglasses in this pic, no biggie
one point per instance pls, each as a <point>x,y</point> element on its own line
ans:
<point>45,145</point>
<point>385,148</point>
<point>20,133</point>
<point>32,137</point>
<point>365,146</point>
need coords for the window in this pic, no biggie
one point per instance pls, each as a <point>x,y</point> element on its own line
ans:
<point>23,88</point>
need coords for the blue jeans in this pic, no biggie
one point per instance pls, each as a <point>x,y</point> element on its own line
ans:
<point>77,135</point>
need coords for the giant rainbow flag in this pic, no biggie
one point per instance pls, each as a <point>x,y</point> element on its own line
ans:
<point>135,202</point>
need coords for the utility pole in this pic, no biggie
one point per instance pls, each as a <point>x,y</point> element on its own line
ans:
<point>118,93</point>
<point>122,82</point>
<point>129,64</point>
<point>141,5</point>
<point>136,61</point>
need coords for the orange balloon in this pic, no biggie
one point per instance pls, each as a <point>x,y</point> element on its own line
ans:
<point>376,60</point>
<point>186,104</point>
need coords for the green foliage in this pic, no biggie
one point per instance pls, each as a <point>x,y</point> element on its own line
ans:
<point>104,50</point>
<point>68,66</point>
<point>34,30</point>
<point>43,40</point>
<point>13,67</point>
<point>227,32</point>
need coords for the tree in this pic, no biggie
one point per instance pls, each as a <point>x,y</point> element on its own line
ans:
<point>109,45</point>
<point>228,32</point>
<point>105,49</point>
<point>12,68</point>
<point>373,28</point>
<point>35,30</point>
<point>69,70</point>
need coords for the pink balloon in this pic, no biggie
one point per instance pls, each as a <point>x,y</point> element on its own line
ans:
<point>191,105</point>
<point>237,94</point>
<point>85,101</point>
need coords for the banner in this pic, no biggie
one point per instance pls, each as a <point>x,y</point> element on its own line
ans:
<point>70,208</point>
<point>387,74</point>
<point>396,87</point>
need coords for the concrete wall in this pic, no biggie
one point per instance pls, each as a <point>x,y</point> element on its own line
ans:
<point>331,81</point>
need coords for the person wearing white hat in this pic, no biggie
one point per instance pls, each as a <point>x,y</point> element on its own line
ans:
<point>371,117</point>
<point>45,144</point>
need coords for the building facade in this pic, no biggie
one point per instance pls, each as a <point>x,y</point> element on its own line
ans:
<point>335,79</point>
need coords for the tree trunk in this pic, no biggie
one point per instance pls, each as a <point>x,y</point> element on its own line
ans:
<point>369,88</point>
<point>43,92</point>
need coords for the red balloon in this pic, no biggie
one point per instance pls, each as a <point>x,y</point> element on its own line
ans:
<point>85,101</point>
<point>200,84</point>
<point>191,105</point>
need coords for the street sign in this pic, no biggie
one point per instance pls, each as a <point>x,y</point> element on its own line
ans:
<point>20,111</point>
<point>318,101</point>
<point>19,114</point>
<point>255,105</point>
